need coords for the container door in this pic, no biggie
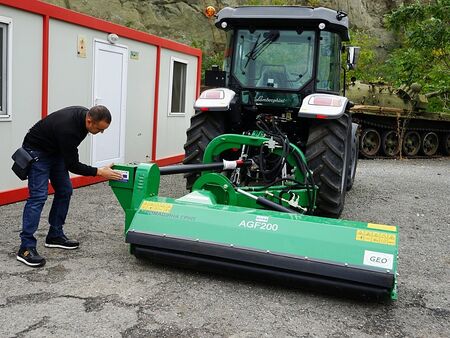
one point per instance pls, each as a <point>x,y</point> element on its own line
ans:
<point>110,79</point>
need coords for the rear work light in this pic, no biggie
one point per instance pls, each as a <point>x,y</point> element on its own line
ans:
<point>217,99</point>
<point>213,94</point>
<point>323,106</point>
<point>325,101</point>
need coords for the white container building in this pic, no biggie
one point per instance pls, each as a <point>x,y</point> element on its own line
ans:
<point>52,57</point>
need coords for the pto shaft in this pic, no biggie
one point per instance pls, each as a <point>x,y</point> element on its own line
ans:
<point>188,168</point>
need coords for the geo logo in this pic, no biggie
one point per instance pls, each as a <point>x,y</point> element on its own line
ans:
<point>378,259</point>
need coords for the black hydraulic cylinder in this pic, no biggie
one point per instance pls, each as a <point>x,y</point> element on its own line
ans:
<point>266,203</point>
<point>272,205</point>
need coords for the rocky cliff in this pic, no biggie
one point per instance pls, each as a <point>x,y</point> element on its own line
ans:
<point>184,21</point>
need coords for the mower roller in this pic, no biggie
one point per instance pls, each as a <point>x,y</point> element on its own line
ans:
<point>258,231</point>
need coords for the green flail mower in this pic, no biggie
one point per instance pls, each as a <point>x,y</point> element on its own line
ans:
<point>262,231</point>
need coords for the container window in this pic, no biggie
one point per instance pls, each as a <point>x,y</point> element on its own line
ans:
<point>3,67</point>
<point>178,92</point>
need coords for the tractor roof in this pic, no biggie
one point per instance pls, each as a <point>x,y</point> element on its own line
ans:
<point>284,17</point>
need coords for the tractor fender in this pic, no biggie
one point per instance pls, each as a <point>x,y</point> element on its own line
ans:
<point>325,106</point>
<point>217,99</point>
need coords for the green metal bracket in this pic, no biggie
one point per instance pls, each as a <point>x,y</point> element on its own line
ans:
<point>123,189</point>
<point>146,183</point>
<point>219,185</point>
<point>139,182</point>
<point>229,141</point>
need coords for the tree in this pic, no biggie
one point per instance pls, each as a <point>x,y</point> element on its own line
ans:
<point>368,68</point>
<point>423,56</point>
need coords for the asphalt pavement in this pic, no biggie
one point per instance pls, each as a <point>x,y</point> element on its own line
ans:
<point>100,290</point>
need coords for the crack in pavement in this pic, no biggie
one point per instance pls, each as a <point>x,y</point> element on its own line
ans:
<point>33,327</point>
<point>54,274</point>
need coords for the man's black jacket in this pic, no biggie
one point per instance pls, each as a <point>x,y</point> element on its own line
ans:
<point>61,133</point>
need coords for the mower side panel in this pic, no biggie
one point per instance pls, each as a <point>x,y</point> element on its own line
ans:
<point>322,238</point>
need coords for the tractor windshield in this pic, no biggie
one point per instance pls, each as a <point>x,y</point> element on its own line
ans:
<point>279,59</point>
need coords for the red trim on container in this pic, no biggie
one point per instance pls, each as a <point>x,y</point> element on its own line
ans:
<point>12,196</point>
<point>169,160</point>
<point>199,74</point>
<point>66,15</point>
<point>45,43</point>
<point>81,181</point>
<point>156,103</point>
<point>21,194</point>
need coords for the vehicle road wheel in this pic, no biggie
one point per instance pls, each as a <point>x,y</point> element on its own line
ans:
<point>430,144</point>
<point>204,127</point>
<point>390,143</point>
<point>411,143</point>
<point>328,153</point>
<point>445,144</point>
<point>370,142</point>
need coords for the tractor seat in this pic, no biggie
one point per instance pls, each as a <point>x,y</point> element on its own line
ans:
<point>275,79</point>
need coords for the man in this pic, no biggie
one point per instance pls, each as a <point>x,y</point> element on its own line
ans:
<point>54,141</point>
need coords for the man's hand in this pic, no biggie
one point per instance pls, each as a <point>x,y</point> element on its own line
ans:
<point>108,173</point>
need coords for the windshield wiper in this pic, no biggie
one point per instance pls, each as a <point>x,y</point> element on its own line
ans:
<point>259,47</point>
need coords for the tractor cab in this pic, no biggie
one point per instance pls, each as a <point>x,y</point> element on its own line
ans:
<point>276,56</point>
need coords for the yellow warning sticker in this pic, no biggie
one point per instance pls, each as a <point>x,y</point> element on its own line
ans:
<point>156,206</point>
<point>382,227</point>
<point>375,237</point>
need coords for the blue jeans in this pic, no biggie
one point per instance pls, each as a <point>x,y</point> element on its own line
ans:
<point>47,167</point>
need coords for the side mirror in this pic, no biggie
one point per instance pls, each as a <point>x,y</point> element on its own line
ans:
<point>352,57</point>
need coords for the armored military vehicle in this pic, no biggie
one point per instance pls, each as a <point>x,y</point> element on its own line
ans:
<point>395,121</point>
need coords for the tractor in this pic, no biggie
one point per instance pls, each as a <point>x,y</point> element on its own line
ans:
<point>282,77</point>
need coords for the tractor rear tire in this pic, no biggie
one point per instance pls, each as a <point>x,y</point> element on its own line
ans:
<point>328,154</point>
<point>205,126</point>
<point>353,163</point>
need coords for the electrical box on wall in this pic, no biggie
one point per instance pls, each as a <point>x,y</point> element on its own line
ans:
<point>81,46</point>
<point>134,55</point>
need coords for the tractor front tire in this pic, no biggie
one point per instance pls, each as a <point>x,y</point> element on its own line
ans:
<point>205,126</point>
<point>328,154</point>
